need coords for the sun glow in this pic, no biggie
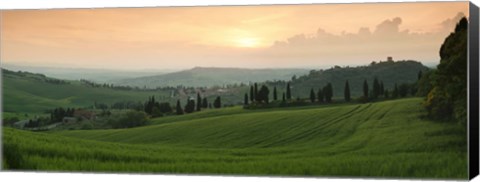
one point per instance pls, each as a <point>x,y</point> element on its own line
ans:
<point>247,42</point>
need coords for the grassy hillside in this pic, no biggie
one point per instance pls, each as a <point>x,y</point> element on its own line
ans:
<point>204,77</point>
<point>35,93</point>
<point>381,139</point>
<point>387,71</point>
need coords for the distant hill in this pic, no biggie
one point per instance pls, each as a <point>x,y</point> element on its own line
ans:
<point>97,75</point>
<point>389,72</point>
<point>24,92</point>
<point>211,76</point>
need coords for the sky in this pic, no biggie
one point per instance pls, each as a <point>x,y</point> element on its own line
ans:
<point>274,36</point>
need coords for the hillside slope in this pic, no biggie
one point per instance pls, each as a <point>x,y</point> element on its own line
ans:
<point>389,72</point>
<point>211,76</point>
<point>34,93</point>
<point>381,139</point>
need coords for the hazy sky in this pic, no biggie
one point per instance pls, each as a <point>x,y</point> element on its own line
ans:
<point>307,36</point>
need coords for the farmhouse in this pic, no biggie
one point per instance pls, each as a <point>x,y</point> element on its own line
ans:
<point>84,114</point>
<point>69,119</point>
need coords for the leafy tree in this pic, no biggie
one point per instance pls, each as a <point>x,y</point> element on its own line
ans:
<point>289,92</point>
<point>274,93</point>
<point>365,89</point>
<point>129,120</point>
<point>312,96</point>
<point>199,102</point>
<point>447,99</point>
<point>320,95</point>
<point>263,94</point>
<point>347,91</point>
<point>217,103</point>
<point>179,109</point>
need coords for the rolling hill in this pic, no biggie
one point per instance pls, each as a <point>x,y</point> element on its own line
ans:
<point>25,92</point>
<point>211,76</point>
<point>389,72</point>
<point>384,139</point>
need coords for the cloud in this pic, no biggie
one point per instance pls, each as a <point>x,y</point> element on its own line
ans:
<point>386,39</point>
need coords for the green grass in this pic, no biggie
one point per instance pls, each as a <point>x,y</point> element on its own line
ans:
<point>26,95</point>
<point>385,139</point>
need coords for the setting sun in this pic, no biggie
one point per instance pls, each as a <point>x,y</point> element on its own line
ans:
<point>248,42</point>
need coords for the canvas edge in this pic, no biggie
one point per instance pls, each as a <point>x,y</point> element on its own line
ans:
<point>473,101</point>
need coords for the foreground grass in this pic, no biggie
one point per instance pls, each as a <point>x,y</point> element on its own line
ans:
<point>385,139</point>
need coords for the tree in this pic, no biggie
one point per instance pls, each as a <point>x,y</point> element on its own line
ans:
<point>199,102</point>
<point>190,107</point>
<point>256,92</point>
<point>320,95</point>
<point>205,103</point>
<point>376,88</point>
<point>179,110</point>
<point>365,89</point>
<point>245,101</point>
<point>403,90</point>
<point>347,91</point>
<point>263,94</point>
<point>274,93</point>
<point>395,91</point>
<point>283,97</point>
<point>328,92</point>
<point>217,103</point>
<point>447,98</point>
<point>252,94</point>
<point>312,96</point>
<point>129,119</point>
<point>289,92</point>
<point>386,94</point>
<point>382,89</point>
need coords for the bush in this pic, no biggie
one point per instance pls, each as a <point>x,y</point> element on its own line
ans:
<point>129,120</point>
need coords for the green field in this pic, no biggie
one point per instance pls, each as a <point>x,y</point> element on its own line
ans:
<point>29,95</point>
<point>384,139</point>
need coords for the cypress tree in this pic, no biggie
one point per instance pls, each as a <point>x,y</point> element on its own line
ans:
<point>289,93</point>
<point>328,91</point>
<point>382,89</point>
<point>252,94</point>
<point>312,96</point>
<point>395,91</point>
<point>320,95</point>
<point>217,103</point>
<point>283,97</point>
<point>245,101</point>
<point>365,89</point>
<point>179,110</point>
<point>274,93</point>
<point>376,88</point>
<point>256,92</point>
<point>204,103</point>
<point>347,91</point>
<point>199,102</point>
